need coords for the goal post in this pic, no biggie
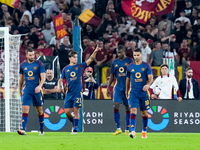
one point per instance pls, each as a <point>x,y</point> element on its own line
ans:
<point>10,103</point>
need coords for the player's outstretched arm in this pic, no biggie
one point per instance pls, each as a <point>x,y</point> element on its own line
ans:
<point>149,81</point>
<point>127,86</point>
<point>21,81</point>
<point>109,84</point>
<point>92,57</point>
<point>42,80</point>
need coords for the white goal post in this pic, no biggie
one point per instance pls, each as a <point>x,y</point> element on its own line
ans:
<point>10,103</point>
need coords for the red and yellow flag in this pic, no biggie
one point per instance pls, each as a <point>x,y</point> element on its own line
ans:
<point>59,27</point>
<point>11,3</point>
<point>143,10</point>
<point>90,18</point>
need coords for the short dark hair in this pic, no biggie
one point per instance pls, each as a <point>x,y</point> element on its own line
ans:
<point>29,49</point>
<point>164,65</point>
<point>120,48</point>
<point>72,53</point>
<point>137,50</point>
<point>188,69</point>
<point>86,37</point>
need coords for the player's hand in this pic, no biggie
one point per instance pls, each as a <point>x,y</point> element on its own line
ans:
<point>153,96</point>
<point>20,93</point>
<point>146,87</point>
<point>179,99</point>
<point>97,49</point>
<point>37,89</point>
<point>108,92</point>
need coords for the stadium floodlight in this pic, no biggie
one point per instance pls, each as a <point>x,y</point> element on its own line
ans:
<point>10,103</point>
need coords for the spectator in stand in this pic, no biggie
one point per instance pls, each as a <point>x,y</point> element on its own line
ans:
<point>194,15</point>
<point>165,25</point>
<point>63,51</point>
<point>189,37</point>
<point>67,18</point>
<point>188,86</point>
<point>188,8</point>
<point>183,18</point>
<point>184,51</point>
<point>89,31</point>
<point>2,83</point>
<point>47,5</point>
<point>130,27</point>
<point>40,11</point>
<point>24,26</point>
<point>90,4</point>
<point>197,47</point>
<point>37,23</point>
<point>54,8</point>
<point>118,39</point>
<point>75,10</point>
<point>129,51</point>
<point>33,35</point>
<point>26,13</point>
<point>196,27</point>
<point>30,44</point>
<point>88,50</point>
<point>50,86</point>
<point>106,36</point>
<point>109,54</point>
<point>178,31</point>
<point>156,55</point>
<point>100,60</point>
<point>4,9</point>
<point>146,51</point>
<point>152,35</point>
<point>173,44</point>
<point>165,83</point>
<point>86,43</point>
<point>48,32</point>
<point>91,84</point>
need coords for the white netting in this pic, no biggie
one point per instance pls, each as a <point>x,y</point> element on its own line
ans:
<point>15,108</point>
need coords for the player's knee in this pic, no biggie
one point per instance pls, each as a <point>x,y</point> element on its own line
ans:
<point>116,106</point>
<point>127,108</point>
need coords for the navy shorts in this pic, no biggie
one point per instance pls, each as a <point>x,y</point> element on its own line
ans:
<point>135,101</point>
<point>73,100</point>
<point>120,97</point>
<point>37,99</point>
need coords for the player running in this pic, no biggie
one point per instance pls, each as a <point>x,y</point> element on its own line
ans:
<point>33,73</point>
<point>73,73</point>
<point>139,74</point>
<point>118,70</point>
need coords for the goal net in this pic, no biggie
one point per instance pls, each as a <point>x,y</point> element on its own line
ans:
<point>10,102</point>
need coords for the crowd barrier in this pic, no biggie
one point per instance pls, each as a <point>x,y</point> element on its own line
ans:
<point>164,116</point>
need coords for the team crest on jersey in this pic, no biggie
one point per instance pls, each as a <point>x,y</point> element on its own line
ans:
<point>125,64</point>
<point>35,68</point>
<point>142,69</point>
<point>121,69</point>
<point>132,70</point>
<point>25,68</point>
<point>102,53</point>
<point>76,68</point>
<point>68,70</point>
<point>116,65</point>
<point>72,74</point>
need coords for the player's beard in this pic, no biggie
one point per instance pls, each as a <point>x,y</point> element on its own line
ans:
<point>31,60</point>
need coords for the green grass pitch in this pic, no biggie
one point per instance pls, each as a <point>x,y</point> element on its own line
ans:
<point>97,141</point>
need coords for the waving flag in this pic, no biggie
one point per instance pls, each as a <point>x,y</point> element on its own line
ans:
<point>90,18</point>
<point>143,10</point>
<point>11,3</point>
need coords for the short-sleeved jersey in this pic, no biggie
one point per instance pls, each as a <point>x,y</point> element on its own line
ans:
<point>73,74</point>
<point>119,70</point>
<point>31,72</point>
<point>138,75</point>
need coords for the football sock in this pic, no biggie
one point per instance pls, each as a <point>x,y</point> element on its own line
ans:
<point>132,121</point>
<point>127,120</point>
<point>144,122</point>
<point>24,120</point>
<point>41,121</point>
<point>71,119</point>
<point>117,117</point>
<point>75,124</point>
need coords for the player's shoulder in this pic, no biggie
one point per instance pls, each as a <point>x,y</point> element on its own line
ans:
<point>66,67</point>
<point>146,64</point>
<point>23,63</point>
<point>131,64</point>
<point>39,62</point>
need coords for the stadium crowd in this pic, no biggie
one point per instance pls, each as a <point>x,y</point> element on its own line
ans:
<point>175,35</point>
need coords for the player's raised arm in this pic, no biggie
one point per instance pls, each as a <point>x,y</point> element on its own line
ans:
<point>127,86</point>
<point>21,81</point>
<point>42,80</point>
<point>149,81</point>
<point>92,57</point>
<point>109,84</point>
